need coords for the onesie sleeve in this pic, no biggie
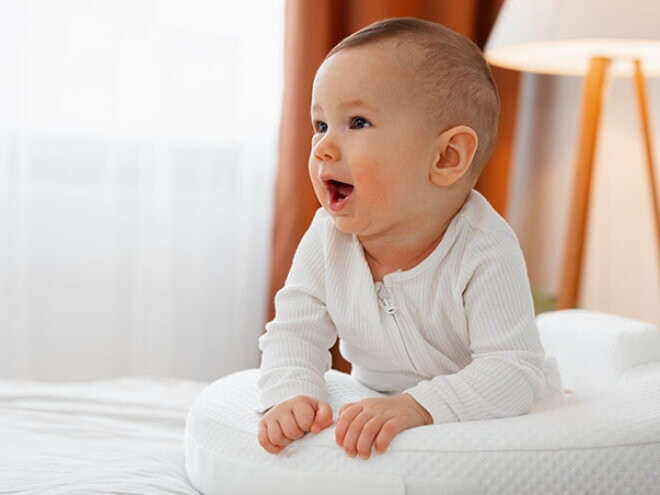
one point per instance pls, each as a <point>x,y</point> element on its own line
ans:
<point>295,347</point>
<point>506,375</point>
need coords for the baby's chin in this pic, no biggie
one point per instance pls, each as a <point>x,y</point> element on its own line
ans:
<point>344,229</point>
<point>350,226</point>
<point>342,222</point>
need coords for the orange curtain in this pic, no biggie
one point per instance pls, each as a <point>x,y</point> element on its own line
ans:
<point>312,28</point>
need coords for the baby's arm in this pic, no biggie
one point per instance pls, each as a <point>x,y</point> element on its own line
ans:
<point>296,350</point>
<point>289,420</point>
<point>506,374</point>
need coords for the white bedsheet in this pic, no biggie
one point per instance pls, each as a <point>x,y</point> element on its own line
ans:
<point>114,436</point>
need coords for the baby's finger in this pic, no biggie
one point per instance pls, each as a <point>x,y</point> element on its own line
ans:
<point>388,431</point>
<point>344,407</point>
<point>344,421</point>
<point>304,414</point>
<point>275,434</point>
<point>290,426</point>
<point>368,436</point>
<point>264,440</point>
<point>323,417</point>
<point>354,431</point>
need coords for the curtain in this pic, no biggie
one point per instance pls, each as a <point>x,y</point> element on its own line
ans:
<point>138,144</point>
<point>312,28</point>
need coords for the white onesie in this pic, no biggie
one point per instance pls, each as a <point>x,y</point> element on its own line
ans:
<point>456,332</point>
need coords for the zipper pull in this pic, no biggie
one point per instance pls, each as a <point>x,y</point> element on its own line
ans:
<point>389,307</point>
<point>386,302</point>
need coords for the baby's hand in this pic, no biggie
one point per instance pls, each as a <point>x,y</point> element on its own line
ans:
<point>374,422</point>
<point>289,420</point>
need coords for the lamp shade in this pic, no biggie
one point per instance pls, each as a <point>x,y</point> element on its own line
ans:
<point>561,36</point>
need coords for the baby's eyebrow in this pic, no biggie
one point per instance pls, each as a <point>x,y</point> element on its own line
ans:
<point>355,103</point>
<point>349,104</point>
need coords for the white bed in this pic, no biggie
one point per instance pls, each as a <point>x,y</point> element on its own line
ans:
<point>127,435</point>
<point>115,436</point>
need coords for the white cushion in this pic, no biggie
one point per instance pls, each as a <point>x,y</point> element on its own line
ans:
<point>594,350</point>
<point>607,442</point>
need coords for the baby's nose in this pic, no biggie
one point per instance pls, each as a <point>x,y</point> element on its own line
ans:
<point>326,149</point>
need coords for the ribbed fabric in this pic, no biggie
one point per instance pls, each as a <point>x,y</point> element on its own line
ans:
<point>457,331</point>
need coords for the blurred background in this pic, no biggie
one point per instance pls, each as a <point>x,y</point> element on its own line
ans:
<point>153,181</point>
<point>138,144</point>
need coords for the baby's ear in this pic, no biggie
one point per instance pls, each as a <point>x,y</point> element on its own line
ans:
<point>456,149</point>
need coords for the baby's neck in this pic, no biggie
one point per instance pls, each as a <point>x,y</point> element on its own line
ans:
<point>386,257</point>
<point>410,244</point>
<point>403,250</point>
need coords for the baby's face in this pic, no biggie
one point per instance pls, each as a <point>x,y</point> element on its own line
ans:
<point>372,147</point>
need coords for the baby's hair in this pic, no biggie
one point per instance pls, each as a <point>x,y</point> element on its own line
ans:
<point>453,74</point>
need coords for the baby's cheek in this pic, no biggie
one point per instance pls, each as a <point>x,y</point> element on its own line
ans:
<point>318,187</point>
<point>374,183</point>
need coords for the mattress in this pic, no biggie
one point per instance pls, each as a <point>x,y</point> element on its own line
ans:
<point>607,443</point>
<point>115,436</point>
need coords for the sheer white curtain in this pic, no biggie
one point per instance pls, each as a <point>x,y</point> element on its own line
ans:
<point>137,152</point>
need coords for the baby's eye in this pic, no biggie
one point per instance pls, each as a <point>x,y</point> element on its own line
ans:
<point>320,126</point>
<point>359,123</point>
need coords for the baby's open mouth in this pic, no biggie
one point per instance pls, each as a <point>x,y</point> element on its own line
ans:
<point>339,192</point>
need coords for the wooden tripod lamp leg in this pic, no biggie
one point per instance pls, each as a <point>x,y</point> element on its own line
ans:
<point>640,85</point>
<point>578,214</point>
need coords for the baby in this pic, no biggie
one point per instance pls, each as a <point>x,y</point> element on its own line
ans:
<point>421,280</point>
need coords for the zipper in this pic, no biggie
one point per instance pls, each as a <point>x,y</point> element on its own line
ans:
<point>385,299</point>
<point>386,302</point>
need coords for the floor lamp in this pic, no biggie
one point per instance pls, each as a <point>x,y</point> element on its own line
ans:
<point>592,38</point>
